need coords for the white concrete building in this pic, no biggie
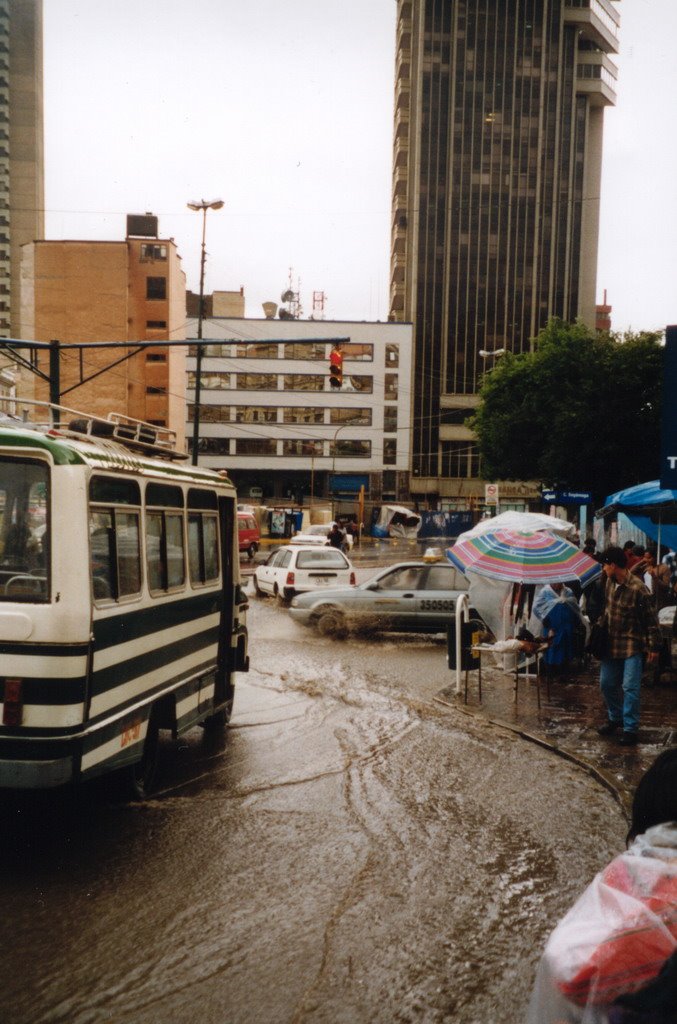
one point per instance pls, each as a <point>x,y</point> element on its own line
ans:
<point>269,417</point>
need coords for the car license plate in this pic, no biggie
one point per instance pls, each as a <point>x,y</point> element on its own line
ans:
<point>322,580</point>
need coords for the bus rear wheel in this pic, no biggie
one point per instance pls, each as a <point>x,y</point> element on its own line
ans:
<point>142,773</point>
<point>215,725</point>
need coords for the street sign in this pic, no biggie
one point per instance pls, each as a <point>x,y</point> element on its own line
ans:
<point>567,497</point>
<point>668,467</point>
<point>491,494</point>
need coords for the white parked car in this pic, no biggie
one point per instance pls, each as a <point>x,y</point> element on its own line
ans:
<point>319,534</point>
<point>299,568</point>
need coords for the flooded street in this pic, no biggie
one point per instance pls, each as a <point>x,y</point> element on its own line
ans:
<point>354,853</point>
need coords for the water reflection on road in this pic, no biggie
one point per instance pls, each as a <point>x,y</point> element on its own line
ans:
<point>353,853</point>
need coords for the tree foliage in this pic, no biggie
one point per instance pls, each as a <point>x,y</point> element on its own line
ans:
<point>582,411</point>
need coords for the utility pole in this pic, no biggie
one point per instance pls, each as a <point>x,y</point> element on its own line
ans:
<point>215,204</point>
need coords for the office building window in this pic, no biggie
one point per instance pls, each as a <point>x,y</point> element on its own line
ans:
<point>255,414</point>
<point>153,390</point>
<point>156,287</point>
<point>156,325</point>
<point>363,384</point>
<point>255,446</point>
<point>213,446</point>
<point>314,351</point>
<point>210,350</point>
<point>257,381</point>
<point>390,419</point>
<point>293,415</point>
<point>354,417</point>
<point>210,381</point>
<point>390,389</point>
<point>389,451</point>
<point>392,355</point>
<point>156,357</point>
<point>350,448</point>
<point>153,252</point>
<point>460,459</point>
<point>210,413</point>
<point>304,382</point>
<point>359,352</point>
<point>255,350</point>
<point>455,416</point>
<point>305,448</point>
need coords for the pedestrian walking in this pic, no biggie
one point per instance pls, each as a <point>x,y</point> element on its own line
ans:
<point>336,537</point>
<point>611,959</point>
<point>633,637</point>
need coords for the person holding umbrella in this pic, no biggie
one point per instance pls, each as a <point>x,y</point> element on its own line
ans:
<point>634,635</point>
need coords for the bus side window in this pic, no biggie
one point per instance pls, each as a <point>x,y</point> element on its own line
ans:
<point>100,536</point>
<point>203,547</point>
<point>115,553</point>
<point>128,552</point>
<point>203,536</point>
<point>153,545</point>
<point>115,543</point>
<point>165,553</point>
<point>176,570</point>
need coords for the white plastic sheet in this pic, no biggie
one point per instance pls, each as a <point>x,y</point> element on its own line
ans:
<point>615,938</point>
<point>521,521</point>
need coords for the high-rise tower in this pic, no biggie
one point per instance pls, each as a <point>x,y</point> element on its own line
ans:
<point>22,217</point>
<point>496,179</point>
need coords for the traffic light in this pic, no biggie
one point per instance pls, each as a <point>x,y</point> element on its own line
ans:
<point>335,368</point>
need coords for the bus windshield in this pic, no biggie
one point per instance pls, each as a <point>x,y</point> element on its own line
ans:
<point>24,530</point>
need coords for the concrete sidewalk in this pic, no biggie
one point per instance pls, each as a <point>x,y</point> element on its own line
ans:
<point>567,720</point>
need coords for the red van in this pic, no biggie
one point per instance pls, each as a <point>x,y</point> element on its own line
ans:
<point>248,533</point>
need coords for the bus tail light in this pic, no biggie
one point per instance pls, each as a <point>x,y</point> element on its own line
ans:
<point>13,708</point>
<point>290,579</point>
<point>352,579</point>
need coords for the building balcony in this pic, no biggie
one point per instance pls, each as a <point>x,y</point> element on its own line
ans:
<point>403,38</point>
<point>401,153</point>
<point>405,10</point>
<point>402,122</point>
<point>397,278</point>
<point>399,219</point>
<point>597,20</point>
<point>402,96</point>
<point>596,76</point>
<point>400,181</point>
<point>399,246</point>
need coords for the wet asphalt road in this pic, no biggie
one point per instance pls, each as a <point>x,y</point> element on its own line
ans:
<point>354,853</point>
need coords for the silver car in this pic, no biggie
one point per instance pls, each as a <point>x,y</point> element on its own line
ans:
<point>410,597</point>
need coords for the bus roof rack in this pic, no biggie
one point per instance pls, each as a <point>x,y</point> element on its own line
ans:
<point>137,435</point>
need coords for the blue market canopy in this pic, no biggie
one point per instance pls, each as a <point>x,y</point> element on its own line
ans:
<point>651,508</point>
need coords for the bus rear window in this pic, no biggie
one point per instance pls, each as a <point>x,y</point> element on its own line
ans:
<point>24,530</point>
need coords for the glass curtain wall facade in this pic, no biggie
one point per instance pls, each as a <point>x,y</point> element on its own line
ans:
<point>496,177</point>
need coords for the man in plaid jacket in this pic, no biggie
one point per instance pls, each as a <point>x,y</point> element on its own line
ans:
<point>634,635</point>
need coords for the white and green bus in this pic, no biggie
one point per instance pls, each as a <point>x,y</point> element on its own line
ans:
<point>121,611</point>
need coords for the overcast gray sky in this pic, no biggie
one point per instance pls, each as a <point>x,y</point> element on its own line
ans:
<point>284,110</point>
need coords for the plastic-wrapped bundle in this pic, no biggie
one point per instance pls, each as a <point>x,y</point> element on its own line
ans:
<point>616,937</point>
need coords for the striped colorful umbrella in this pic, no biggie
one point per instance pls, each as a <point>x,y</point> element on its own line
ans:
<point>523,557</point>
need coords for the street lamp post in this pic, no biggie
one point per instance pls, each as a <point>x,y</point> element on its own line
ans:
<point>203,205</point>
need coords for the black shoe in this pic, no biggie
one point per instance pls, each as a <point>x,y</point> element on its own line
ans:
<point>628,739</point>
<point>608,729</point>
